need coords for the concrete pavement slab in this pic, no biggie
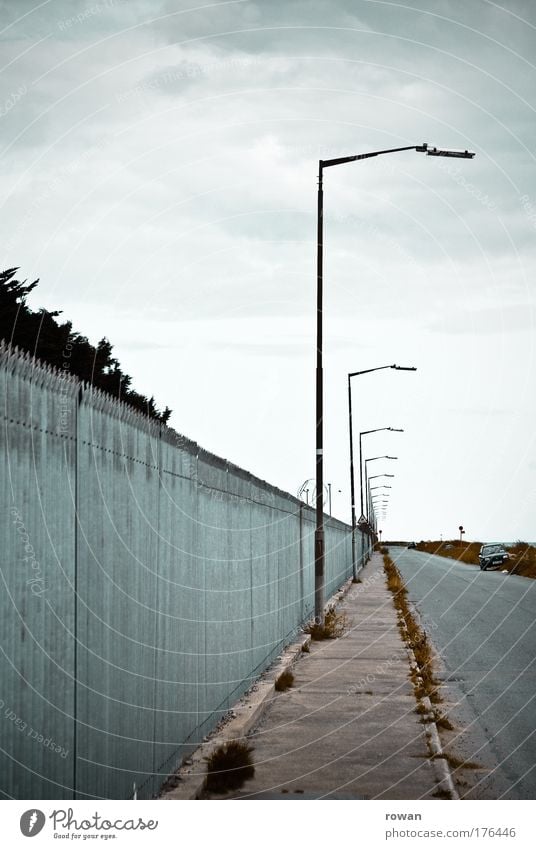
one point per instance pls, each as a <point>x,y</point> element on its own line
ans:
<point>348,727</point>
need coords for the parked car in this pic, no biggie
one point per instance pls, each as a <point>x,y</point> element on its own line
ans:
<point>412,545</point>
<point>492,554</point>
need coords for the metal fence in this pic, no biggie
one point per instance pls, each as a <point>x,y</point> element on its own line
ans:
<point>145,584</point>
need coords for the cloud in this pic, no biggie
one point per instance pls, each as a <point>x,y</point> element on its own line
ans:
<point>161,181</point>
<point>508,319</point>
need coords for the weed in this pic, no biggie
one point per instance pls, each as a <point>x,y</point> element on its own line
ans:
<point>441,794</point>
<point>458,763</point>
<point>334,626</point>
<point>413,634</point>
<point>455,762</point>
<point>420,692</point>
<point>284,681</point>
<point>443,721</point>
<point>229,766</point>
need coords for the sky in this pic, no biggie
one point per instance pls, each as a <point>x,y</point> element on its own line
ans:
<point>158,173</point>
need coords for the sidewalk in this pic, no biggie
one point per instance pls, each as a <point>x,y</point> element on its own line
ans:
<point>348,727</point>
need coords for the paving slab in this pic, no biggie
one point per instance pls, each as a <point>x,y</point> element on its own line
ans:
<point>348,727</point>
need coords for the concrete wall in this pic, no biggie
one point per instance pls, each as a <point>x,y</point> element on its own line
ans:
<point>145,584</point>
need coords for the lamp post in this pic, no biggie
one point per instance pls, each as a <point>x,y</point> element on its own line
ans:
<point>383,494</point>
<point>370,459</point>
<point>367,488</point>
<point>365,433</point>
<point>319,424</point>
<point>378,508</point>
<point>362,519</point>
<point>352,484</point>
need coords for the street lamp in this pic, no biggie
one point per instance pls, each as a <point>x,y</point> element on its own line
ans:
<point>373,516</point>
<point>328,163</point>
<point>367,486</point>
<point>370,459</point>
<point>352,484</point>
<point>364,433</point>
<point>378,508</point>
<point>363,519</point>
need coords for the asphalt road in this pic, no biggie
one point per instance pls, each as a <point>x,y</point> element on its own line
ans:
<point>483,625</point>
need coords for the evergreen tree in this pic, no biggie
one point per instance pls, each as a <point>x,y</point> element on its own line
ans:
<point>49,340</point>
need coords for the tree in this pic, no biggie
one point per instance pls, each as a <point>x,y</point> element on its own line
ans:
<point>57,344</point>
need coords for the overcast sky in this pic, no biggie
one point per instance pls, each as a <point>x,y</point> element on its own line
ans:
<point>158,169</point>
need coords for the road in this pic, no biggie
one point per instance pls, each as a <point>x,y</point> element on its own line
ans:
<point>483,625</point>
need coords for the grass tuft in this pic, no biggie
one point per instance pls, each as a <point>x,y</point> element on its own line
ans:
<point>229,766</point>
<point>458,763</point>
<point>284,681</point>
<point>441,794</point>
<point>334,626</point>
<point>443,721</point>
<point>414,635</point>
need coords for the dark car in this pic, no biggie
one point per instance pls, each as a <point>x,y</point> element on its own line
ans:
<point>412,545</point>
<point>492,554</point>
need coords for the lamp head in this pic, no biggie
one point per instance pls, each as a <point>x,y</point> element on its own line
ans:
<point>441,151</point>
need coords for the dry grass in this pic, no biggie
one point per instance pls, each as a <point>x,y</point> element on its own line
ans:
<point>522,559</point>
<point>453,549</point>
<point>229,766</point>
<point>443,721</point>
<point>284,681</point>
<point>441,794</point>
<point>334,626</point>
<point>522,555</point>
<point>414,636</point>
<point>458,763</point>
<point>394,582</point>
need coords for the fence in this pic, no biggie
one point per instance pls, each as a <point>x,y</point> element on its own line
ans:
<point>145,584</point>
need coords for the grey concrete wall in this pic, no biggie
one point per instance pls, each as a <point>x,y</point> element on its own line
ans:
<point>145,584</point>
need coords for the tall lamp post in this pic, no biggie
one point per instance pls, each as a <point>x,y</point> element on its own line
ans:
<point>328,163</point>
<point>350,427</point>
<point>367,488</point>
<point>372,519</point>
<point>362,520</point>
<point>370,459</point>
<point>361,435</point>
<point>378,508</point>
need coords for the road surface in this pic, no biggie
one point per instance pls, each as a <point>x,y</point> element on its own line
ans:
<point>483,624</point>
